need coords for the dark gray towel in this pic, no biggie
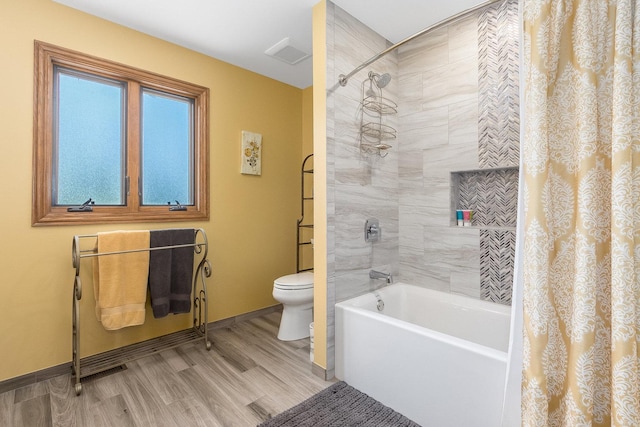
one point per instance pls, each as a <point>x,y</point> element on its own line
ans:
<point>171,271</point>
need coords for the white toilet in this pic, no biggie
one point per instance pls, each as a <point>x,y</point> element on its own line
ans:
<point>295,293</point>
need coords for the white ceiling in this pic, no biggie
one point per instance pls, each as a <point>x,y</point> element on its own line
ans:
<point>239,31</point>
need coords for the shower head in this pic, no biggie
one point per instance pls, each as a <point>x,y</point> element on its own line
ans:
<point>383,80</point>
<point>380,80</point>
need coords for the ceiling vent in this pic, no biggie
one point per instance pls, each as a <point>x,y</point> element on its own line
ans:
<point>286,53</point>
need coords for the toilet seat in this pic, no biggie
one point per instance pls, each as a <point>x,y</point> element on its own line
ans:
<point>297,281</point>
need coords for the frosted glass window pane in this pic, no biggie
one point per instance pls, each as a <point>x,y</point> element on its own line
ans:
<point>167,147</point>
<point>89,140</point>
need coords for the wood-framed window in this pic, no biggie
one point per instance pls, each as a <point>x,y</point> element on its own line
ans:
<point>134,142</point>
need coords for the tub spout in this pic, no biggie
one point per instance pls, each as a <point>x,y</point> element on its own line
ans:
<point>373,274</point>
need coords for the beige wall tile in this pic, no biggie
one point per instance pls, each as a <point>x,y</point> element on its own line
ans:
<point>425,52</point>
<point>450,84</point>
<point>463,39</point>
<point>463,122</point>
<point>426,128</point>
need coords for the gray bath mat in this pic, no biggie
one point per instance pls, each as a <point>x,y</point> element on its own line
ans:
<point>340,405</point>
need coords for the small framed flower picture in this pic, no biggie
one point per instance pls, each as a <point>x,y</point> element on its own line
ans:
<point>251,153</point>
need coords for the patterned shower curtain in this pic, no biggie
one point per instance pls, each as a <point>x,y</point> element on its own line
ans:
<point>581,157</point>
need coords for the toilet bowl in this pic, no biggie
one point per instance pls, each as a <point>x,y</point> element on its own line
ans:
<point>295,293</point>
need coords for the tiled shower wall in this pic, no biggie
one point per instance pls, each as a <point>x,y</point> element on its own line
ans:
<point>435,81</point>
<point>359,186</point>
<point>364,185</point>
<point>459,113</point>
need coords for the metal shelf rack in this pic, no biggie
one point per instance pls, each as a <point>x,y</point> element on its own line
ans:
<point>306,172</point>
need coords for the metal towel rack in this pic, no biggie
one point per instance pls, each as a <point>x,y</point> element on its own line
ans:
<point>115,358</point>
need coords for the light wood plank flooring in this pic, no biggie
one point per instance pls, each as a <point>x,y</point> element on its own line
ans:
<point>247,377</point>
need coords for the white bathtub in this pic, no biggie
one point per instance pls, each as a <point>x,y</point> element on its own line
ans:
<point>440,359</point>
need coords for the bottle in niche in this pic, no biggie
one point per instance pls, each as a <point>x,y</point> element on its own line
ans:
<point>467,216</point>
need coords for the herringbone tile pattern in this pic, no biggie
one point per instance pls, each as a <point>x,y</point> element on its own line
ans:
<point>498,84</point>
<point>492,195</point>
<point>497,249</point>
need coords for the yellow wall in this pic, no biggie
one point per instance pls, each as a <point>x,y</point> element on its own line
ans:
<point>252,226</point>
<point>307,121</point>
<point>320,183</point>
<point>306,251</point>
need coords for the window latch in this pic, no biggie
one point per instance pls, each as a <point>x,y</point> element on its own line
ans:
<point>176,207</point>
<point>85,207</point>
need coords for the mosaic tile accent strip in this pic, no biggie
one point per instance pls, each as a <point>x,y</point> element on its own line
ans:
<point>491,194</point>
<point>498,84</point>
<point>497,253</point>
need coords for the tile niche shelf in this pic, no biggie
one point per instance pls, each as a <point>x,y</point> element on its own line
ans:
<point>492,195</point>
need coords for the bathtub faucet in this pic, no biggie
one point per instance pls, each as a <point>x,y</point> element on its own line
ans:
<point>373,274</point>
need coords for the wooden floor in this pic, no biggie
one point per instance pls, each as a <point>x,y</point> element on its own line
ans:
<point>247,377</point>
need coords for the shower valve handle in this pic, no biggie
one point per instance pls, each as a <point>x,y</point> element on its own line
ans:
<point>372,231</point>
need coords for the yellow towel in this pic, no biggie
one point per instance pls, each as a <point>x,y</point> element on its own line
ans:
<point>120,281</point>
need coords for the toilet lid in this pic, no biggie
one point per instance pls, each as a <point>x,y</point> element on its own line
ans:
<point>295,281</point>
